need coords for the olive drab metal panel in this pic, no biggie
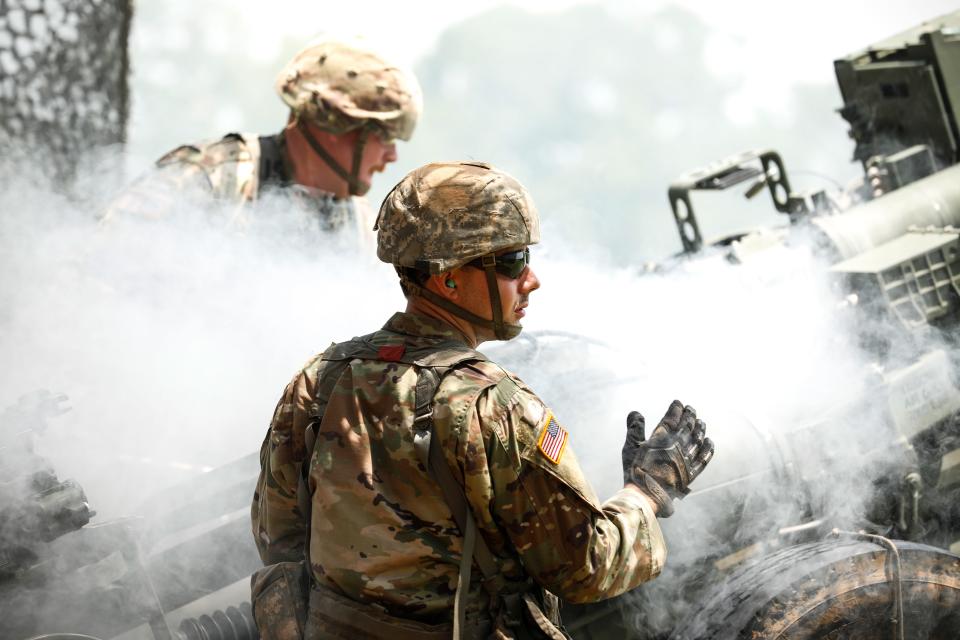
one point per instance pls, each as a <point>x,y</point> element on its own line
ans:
<point>905,91</point>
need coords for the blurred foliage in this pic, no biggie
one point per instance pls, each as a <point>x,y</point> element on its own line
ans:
<point>595,112</point>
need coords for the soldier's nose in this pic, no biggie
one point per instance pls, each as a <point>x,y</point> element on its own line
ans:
<point>390,153</point>
<point>530,281</point>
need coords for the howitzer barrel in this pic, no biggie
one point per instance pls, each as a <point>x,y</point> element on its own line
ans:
<point>932,201</point>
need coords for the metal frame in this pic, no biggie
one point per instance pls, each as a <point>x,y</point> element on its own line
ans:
<point>723,175</point>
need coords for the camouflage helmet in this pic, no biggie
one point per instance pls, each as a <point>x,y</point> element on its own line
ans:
<point>445,214</point>
<point>342,85</point>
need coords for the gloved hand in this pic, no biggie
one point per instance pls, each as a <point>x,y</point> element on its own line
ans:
<point>636,430</point>
<point>664,465</point>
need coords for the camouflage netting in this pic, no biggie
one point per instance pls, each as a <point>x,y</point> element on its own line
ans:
<point>63,82</point>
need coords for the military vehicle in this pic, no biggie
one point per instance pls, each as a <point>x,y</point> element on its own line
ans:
<point>781,558</point>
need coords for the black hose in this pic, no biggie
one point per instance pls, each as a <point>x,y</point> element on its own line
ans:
<point>232,623</point>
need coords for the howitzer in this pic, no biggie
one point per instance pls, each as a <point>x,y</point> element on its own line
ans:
<point>750,550</point>
<point>180,572</point>
<point>764,564</point>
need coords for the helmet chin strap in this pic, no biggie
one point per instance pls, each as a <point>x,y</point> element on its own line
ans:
<point>501,330</point>
<point>355,186</point>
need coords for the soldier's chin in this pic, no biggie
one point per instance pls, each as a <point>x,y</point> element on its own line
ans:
<point>512,330</point>
<point>363,187</point>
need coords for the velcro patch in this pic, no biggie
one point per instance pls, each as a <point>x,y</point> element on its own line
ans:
<point>553,439</point>
<point>391,352</point>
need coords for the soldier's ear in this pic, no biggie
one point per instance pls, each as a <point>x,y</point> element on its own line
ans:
<point>451,284</point>
<point>446,285</point>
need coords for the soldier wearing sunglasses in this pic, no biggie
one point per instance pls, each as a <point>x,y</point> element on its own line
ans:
<point>412,488</point>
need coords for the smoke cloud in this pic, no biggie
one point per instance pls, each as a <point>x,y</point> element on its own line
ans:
<point>758,339</point>
<point>807,422</point>
<point>174,338</point>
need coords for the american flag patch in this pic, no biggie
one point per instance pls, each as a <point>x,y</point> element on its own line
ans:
<point>553,439</point>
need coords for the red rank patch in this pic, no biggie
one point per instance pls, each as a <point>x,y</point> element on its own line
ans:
<point>391,352</point>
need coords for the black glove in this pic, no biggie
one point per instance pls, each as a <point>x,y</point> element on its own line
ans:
<point>676,453</point>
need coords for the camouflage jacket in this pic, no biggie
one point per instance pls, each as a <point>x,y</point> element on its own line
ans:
<point>380,529</point>
<point>232,172</point>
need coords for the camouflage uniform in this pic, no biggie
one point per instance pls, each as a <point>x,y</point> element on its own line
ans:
<point>232,172</point>
<point>391,531</point>
<point>381,531</point>
<point>338,86</point>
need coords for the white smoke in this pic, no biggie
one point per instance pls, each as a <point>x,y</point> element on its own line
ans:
<point>761,339</point>
<point>174,340</point>
<point>804,419</point>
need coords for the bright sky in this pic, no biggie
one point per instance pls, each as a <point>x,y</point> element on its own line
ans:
<point>763,47</point>
<point>771,45</point>
<point>805,36</point>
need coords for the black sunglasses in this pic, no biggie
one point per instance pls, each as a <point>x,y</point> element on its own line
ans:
<point>510,264</point>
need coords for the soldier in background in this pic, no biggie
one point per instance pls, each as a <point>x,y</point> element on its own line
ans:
<point>431,491</point>
<point>348,106</point>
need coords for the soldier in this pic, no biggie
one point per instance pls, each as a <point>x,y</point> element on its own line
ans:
<point>348,106</point>
<point>401,461</point>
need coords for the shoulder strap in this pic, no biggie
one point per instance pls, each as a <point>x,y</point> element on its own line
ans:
<point>327,382</point>
<point>337,356</point>
<point>432,368</point>
<point>428,450</point>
